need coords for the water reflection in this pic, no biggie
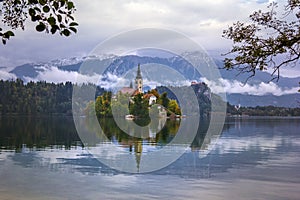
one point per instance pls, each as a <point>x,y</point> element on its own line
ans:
<point>17,132</point>
<point>145,149</point>
<point>255,158</point>
<point>52,143</point>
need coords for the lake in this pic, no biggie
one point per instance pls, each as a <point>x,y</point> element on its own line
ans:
<point>254,158</point>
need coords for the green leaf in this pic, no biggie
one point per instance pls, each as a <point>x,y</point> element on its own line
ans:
<point>62,26</point>
<point>41,27</point>
<point>9,33</point>
<point>42,2</point>
<point>46,9</point>
<point>70,16</point>
<point>37,9</point>
<point>66,32</point>
<point>36,18</point>
<point>62,3</point>
<point>59,18</point>
<point>51,21</point>
<point>70,5</point>
<point>73,29</point>
<point>61,12</point>
<point>32,1</point>
<point>54,28</point>
<point>31,12</point>
<point>73,24</point>
<point>55,5</point>
<point>16,2</point>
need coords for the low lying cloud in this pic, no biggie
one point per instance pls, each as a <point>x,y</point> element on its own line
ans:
<point>153,83</point>
<point>236,87</point>
<point>55,75</point>
<point>4,75</point>
<point>111,81</point>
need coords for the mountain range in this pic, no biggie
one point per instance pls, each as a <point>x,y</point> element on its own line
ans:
<point>257,91</point>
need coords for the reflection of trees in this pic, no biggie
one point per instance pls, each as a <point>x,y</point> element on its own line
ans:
<point>39,132</point>
<point>152,136</point>
<point>45,131</point>
<point>166,133</point>
<point>201,133</point>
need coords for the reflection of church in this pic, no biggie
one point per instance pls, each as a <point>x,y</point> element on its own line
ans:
<point>143,141</point>
<point>135,144</point>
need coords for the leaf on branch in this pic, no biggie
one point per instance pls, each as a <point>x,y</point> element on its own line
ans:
<point>70,5</point>
<point>51,21</point>
<point>256,44</point>
<point>41,27</point>
<point>32,1</point>
<point>55,5</point>
<point>54,28</point>
<point>55,16</point>
<point>43,2</point>
<point>59,18</point>
<point>73,24</point>
<point>73,29</point>
<point>62,3</point>
<point>46,9</point>
<point>31,12</point>
<point>66,32</point>
<point>8,34</point>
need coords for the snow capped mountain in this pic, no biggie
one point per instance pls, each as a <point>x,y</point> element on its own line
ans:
<point>156,70</point>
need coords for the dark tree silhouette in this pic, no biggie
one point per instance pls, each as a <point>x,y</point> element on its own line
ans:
<point>270,40</point>
<point>50,16</point>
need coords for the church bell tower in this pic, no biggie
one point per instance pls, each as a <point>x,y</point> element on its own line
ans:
<point>139,80</point>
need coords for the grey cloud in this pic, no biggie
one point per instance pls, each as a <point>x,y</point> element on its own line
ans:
<point>203,21</point>
<point>236,87</point>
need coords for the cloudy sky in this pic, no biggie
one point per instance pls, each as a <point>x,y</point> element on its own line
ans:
<point>203,21</point>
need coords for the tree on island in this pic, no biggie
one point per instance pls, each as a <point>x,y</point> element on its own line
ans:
<point>107,105</point>
<point>139,106</point>
<point>174,107</point>
<point>55,16</point>
<point>164,100</point>
<point>103,105</point>
<point>269,41</point>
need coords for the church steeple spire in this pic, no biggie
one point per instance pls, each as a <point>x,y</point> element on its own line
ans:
<point>138,74</point>
<point>139,80</point>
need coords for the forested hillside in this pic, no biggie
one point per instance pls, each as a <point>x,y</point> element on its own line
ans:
<point>16,97</point>
<point>35,97</point>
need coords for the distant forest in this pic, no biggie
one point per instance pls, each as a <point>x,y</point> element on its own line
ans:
<point>16,97</point>
<point>35,97</point>
<point>263,111</point>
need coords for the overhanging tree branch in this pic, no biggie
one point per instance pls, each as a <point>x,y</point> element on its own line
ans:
<point>256,46</point>
<point>50,16</point>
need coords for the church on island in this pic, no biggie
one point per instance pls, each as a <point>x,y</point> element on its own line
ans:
<point>138,88</point>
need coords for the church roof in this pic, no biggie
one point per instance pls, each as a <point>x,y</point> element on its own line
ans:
<point>127,90</point>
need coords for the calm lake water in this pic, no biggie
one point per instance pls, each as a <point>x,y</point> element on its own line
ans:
<point>254,158</point>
